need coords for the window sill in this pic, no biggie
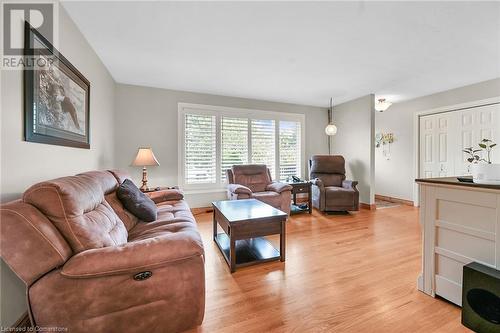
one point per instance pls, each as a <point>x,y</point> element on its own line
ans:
<point>204,191</point>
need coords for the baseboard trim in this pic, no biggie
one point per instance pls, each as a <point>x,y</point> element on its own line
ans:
<point>363,205</point>
<point>22,323</point>
<point>392,199</point>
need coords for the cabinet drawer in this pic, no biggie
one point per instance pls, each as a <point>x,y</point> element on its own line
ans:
<point>301,189</point>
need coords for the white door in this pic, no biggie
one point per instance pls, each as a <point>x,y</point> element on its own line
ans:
<point>443,137</point>
<point>436,145</point>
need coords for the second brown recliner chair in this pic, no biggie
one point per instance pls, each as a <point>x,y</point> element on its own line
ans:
<point>253,181</point>
<point>331,191</point>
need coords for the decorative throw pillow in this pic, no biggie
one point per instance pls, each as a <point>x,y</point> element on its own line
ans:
<point>136,201</point>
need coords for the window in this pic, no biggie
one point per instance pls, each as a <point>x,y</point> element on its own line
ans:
<point>216,138</point>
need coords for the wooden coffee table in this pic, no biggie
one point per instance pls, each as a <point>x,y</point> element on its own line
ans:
<point>245,223</point>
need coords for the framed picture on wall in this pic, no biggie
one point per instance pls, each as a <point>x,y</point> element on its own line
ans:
<point>57,95</point>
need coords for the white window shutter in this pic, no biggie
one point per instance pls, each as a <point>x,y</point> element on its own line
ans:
<point>200,149</point>
<point>264,144</point>
<point>234,143</point>
<point>289,149</point>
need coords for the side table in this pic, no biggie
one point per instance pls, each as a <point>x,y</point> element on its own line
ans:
<point>301,187</point>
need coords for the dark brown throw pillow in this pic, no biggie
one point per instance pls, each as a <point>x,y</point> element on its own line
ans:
<point>137,202</point>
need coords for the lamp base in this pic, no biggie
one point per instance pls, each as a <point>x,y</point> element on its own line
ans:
<point>144,186</point>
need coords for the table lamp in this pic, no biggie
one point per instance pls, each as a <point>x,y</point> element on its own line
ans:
<point>144,158</point>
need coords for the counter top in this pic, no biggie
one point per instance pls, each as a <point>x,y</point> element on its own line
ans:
<point>455,181</point>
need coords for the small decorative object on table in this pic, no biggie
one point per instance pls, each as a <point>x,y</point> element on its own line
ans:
<point>487,172</point>
<point>301,186</point>
<point>145,157</point>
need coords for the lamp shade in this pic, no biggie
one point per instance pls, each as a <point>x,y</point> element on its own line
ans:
<point>331,129</point>
<point>145,157</point>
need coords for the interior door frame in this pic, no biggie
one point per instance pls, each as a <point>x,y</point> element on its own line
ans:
<point>416,132</point>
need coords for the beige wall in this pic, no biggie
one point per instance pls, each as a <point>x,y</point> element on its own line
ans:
<point>148,117</point>
<point>395,177</point>
<point>355,141</point>
<point>25,163</point>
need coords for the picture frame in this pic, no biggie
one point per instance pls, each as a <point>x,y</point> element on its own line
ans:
<point>56,95</point>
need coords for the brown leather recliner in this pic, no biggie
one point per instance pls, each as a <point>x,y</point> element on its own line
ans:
<point>331,191</point>
<point>89,265</point>
<point>254,181</point>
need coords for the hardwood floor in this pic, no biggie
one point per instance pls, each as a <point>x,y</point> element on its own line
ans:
<point>343,273</point>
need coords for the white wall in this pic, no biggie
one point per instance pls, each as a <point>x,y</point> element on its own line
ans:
<point>148,117</point>
<point>25,163</point>
<point>355,141</point>
<point>395,177</point>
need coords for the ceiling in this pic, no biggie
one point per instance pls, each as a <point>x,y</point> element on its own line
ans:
<point>295,52</point>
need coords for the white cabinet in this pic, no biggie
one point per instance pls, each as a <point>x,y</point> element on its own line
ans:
<point>443,136</point>
<point>460,225</point>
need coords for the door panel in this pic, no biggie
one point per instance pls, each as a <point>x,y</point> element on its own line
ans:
<point>436,146</point>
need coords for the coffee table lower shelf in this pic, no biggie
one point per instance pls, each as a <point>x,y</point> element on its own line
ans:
<point>248,251</point>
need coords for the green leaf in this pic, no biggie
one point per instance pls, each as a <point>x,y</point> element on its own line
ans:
<point>486,140</point>
<point>482,145</point>
<point>493,145</point>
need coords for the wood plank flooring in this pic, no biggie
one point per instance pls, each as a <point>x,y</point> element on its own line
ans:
<point>343,273</point>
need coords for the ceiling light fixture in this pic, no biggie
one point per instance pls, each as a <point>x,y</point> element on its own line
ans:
<point>382,105</point>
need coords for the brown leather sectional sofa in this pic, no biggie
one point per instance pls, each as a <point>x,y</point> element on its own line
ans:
<point>91,266</point>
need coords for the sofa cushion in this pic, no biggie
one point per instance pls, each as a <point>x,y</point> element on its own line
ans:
<point>269,197</point>
<point>327,164</point>
<point>152,248</point>
<point>136,202</point>
<point>168,212</point>
<point>77,208</point>
<point>129,219</point>
<point>338,196</point>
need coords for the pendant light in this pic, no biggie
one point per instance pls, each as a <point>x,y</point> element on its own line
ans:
<point>330,129</point>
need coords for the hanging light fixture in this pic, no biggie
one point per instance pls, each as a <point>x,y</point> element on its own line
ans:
<point>330,129</point>
<point>382,105</point>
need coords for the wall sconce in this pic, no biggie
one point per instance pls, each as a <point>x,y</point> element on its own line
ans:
<point>382,104</point>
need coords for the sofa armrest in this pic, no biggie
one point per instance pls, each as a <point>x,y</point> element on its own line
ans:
<point>239,189</point>
<point>135,256</point>
<point>165,195</point>
<point>278,187</point>
<point>350,184</point>
<point>318,182</point>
